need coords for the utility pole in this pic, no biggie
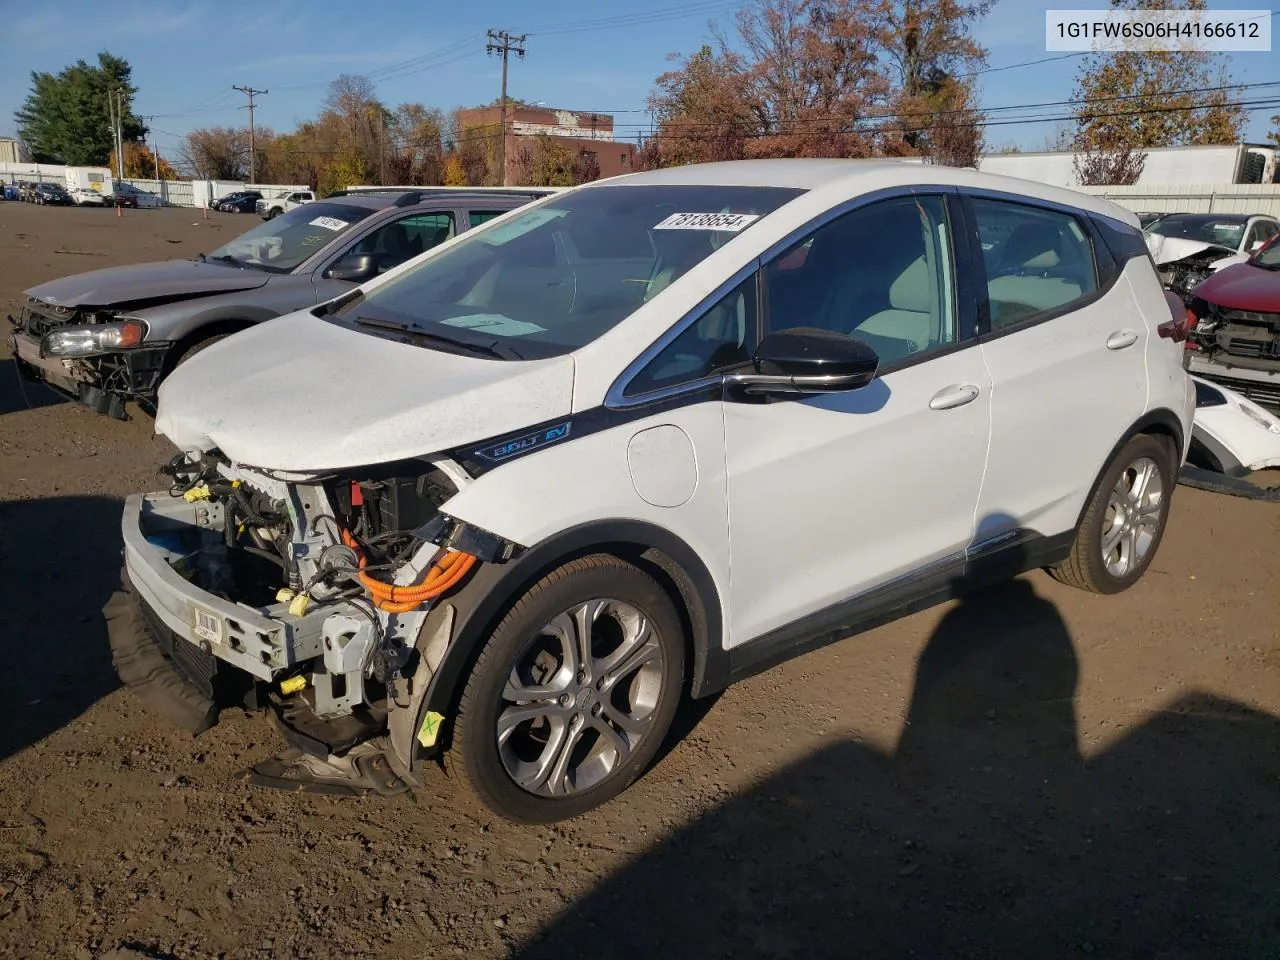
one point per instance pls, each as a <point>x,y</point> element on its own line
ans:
<point>115,111</point>
<point>155,150</point>
<point>500,41</point>
<point>250,92</point>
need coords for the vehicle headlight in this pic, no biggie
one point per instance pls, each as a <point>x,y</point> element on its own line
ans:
<point>95,338</point>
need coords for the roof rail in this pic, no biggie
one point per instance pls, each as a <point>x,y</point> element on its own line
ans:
<point>443,189</point>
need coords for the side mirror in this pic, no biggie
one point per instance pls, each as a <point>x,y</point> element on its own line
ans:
<point>354,267</point>
<point>808,360</point>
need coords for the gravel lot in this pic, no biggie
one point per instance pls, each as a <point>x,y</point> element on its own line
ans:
<point>1030,773</point>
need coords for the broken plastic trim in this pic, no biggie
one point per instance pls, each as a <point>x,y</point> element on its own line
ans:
<point>446,531</point>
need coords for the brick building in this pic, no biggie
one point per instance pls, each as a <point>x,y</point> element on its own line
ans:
<point>588,136</point>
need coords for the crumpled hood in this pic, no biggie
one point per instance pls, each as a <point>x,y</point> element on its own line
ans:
<point>1172,249</point>
<point>166,279</point>
<point>300,394</point>
<point>1243,286</point>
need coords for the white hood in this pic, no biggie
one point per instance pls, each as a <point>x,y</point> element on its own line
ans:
<point>300,394</point>
<point>1171,249</point>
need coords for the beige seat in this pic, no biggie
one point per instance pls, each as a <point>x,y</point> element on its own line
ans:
<point>907,327</point>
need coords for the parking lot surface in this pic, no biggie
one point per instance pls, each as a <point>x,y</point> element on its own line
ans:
<point>1030,772</point>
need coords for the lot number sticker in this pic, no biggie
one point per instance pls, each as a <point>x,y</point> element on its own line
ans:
<point>329,223</point>
<point>729,222</point>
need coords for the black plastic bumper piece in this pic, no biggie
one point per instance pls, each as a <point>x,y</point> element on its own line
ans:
<point>152,676</point>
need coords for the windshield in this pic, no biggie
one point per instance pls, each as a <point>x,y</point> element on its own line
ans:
<point>280,244</point>
<point>1206,229</point>
<point>558,276</point>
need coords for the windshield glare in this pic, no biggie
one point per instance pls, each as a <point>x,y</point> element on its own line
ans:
<point>280,244</point>
<point>1225,233</point>
<point>558,276</point>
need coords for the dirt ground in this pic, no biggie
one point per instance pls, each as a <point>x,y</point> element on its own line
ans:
<point>1032,772</point>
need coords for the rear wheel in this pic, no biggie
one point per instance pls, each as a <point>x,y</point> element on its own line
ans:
<point>573,693</point>
<point>1125,521</point>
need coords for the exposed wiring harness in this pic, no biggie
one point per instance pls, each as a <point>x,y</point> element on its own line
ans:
<point>447,570</point>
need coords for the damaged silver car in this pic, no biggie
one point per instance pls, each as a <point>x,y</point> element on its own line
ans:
<point>111,336</point>
<point>1188,248</point>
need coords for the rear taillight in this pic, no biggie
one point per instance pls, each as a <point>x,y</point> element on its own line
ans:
<point>1178,330</point>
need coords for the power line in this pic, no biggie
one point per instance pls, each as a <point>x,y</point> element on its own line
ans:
<point>250,92</point>
<point>635,19</point>
<point>503,43</point>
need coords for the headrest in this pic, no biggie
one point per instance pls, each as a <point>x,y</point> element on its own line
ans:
<point>1032,246</point>
<point>911,290</point>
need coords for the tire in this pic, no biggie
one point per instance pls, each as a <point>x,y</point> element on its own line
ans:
<point>273,213</point>
<point>1102,559</point>
<point>590,707</point>
<point>196,347</point>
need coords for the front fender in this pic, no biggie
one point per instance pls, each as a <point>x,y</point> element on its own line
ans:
<point>179,320</point>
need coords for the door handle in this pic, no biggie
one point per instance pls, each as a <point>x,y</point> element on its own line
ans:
<point>954,396</point>
<point>1121,339</point>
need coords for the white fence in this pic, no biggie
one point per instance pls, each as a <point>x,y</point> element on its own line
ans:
<point>1195,197</point>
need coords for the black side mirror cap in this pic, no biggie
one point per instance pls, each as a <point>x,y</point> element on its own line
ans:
<point>808,360</point>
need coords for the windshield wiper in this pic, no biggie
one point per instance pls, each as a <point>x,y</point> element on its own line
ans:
<point>227,258</point>
<point>496,349</point>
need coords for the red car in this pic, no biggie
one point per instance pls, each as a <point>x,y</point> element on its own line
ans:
<point>1236,340</point>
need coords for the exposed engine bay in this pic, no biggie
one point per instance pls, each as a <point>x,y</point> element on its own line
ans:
<point>305,595</point>
<point>1184,274</point>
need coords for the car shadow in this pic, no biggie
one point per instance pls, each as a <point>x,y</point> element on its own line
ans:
<point>19,394</point>
<point>987,832</point>
<point>59,563</point>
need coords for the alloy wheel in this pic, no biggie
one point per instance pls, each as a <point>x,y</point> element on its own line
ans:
<point>580,697</point>
<point>1132,520</point>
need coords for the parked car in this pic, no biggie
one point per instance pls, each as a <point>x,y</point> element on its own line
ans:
<point>1231,434</point>
<point>243,201</point>
<point>52,193</point>
<point>86,197</point>
<point>1188,247</point>
<point>1236,339</point>
<point>486,502</point>
<point>127,195</point>
<point>110,336</point>
<point>1148,217</point>
<point>270,208</point>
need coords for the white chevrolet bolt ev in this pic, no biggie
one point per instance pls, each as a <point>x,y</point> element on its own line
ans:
<point>518,497</point>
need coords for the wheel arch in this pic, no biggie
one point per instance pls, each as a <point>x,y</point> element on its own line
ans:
<point>489,593</point>
<point>1160,422</point>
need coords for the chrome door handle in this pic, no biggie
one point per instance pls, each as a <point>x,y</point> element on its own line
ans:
<point>954,396</point>
<point>1121,339</point>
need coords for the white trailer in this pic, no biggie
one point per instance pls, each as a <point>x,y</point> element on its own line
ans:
<point>1164,166</point>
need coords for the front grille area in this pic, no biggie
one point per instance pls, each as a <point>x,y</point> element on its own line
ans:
<point>38,317</point>
<point>1253,341</point>
<point>193,663</point>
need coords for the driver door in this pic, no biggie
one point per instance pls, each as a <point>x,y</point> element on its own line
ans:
<point>833,496</point>
<point>384,247</point>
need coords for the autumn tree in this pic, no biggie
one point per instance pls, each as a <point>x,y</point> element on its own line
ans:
<point>1129,101</point>
<point>930,48</point>
<point>66,119</point>
<point>217,153</point>
<point>1274,135</point>
<point>702,111</point>
<point>140,163</point>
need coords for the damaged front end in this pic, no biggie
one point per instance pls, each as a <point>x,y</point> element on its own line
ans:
<point>304,595</point>
<point>98,356</point>
<point>1183,264</point>
<point>1238,348</point>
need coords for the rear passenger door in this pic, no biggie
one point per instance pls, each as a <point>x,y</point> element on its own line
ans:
<point>1065,346</point>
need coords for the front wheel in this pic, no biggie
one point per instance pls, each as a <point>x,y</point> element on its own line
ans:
<point>1125,520</point>
<point>572,695</point>
<point>273,213</point>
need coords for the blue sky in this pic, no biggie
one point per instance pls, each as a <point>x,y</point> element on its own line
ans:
<point>187,55</point>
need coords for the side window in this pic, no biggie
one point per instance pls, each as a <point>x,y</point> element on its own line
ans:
<point>882,273</point>
<point>400,240</point>
<point>723,337</point>
<point>1036,260</point>
<point>478,217</point>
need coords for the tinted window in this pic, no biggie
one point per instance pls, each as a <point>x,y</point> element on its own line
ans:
<point>478,217</point>
<point>722,337</point>
<point>1036,260</point>
<point>400,240</point>
<point>882,274</point>
<point>280,244</point>
<point>557,276</point>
